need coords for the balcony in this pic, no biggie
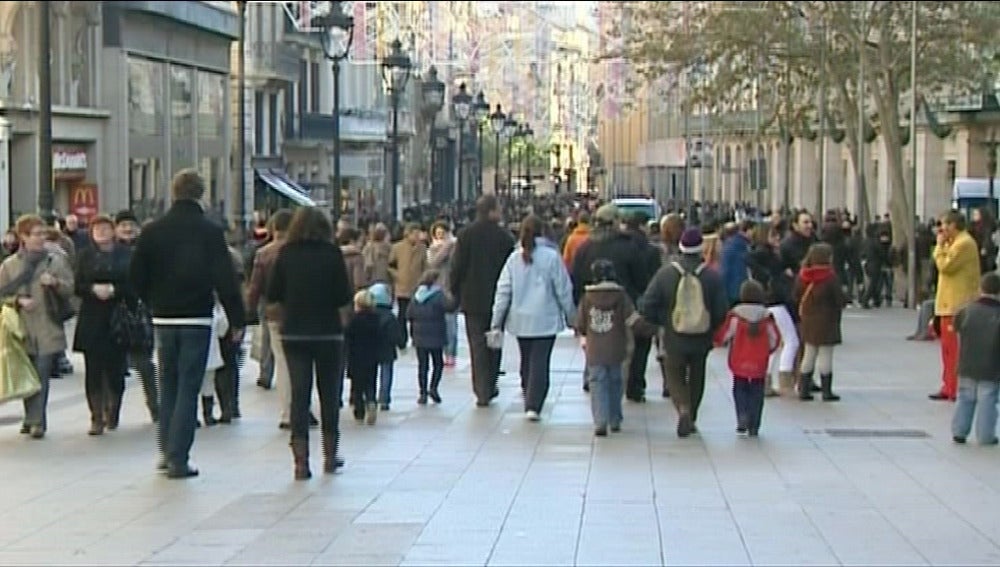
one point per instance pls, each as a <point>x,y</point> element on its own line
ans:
<point>355,126</point>
<point>271,60</point>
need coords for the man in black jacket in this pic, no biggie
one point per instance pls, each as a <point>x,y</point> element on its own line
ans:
<point>635,227</point>
<point>179,265</point>
<point>480,252</point>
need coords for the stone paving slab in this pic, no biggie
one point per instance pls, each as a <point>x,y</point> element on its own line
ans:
<point>457,485</point>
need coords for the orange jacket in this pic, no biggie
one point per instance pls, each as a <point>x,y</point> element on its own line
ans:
<point>579,235</point>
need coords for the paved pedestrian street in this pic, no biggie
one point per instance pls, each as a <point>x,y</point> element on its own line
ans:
<point>872,480</point>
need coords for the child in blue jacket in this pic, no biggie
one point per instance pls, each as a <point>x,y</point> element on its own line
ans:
<point>426,314</point>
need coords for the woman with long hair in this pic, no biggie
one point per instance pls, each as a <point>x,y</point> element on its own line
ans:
<point>309,282</point>
<point>534,302</point>
<point>766,268</point>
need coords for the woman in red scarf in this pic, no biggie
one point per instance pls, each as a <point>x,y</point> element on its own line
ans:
<point>821,300</point>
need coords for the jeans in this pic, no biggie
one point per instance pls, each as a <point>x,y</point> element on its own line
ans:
<point>924,315</point>
<point>451,328</point>
<point>536,353</point>
<point>485,361</point>
<point>142,362</point>
<point>425,358</point>
<point>323,359</point>
<point>605,394</point>
<point>104,384</point>
<point>636,387</point>
<point>976,398</point>
<point>686,379</point>
<point>385,373</point>
<point>182,351</point>
<point>35,406</point>
<point>748,397</point>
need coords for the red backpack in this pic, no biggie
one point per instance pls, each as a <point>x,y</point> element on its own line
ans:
<point>750,349</point>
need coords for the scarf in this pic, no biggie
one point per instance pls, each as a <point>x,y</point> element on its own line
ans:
<point>815,275</point>
<point>31,260</point>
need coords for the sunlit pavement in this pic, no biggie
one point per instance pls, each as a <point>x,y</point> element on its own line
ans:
<point>453,484</point>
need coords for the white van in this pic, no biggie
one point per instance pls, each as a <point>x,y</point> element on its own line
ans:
<point>645,205</point>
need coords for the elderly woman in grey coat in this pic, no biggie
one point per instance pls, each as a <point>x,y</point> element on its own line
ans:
<point>439,256</point>
<point>40,282</point>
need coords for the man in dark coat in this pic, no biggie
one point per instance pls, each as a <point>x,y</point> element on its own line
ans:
<point>179,266</point>
<point>481,250</point>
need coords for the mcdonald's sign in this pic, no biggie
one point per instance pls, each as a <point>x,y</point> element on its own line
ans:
<point>83,201</point>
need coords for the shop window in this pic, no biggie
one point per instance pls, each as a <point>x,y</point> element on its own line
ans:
<point>146,195</point>
<point>145,97</point>
<point>211,105</point>
<point>181,101</point>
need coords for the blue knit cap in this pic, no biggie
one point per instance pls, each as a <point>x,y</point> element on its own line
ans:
<point>380,293</point>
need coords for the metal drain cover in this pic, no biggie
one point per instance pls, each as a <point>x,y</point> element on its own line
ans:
<point>877,433</point>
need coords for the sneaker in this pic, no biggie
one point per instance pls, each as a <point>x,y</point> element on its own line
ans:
<point>601,431</point>
<point>959,440</point>
<point>383,407</point>
<point>371,413</point>
<point>532,415</point>
<point>616,427</point>
<point>753,433</point>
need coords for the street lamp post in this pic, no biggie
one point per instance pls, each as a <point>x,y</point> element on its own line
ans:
<point>991,146</point>
<point>46,200</point>
<point>509,132</point>
<point>911,243</point>
<point>461,104</point>
<point>432,91</point>
<point>439,137</point>
<point>520,134</point>
<point>480,112</point>
<point>395,73</point>
<point>337,29</point>
<point>528,133</point>
<point>497,121</point>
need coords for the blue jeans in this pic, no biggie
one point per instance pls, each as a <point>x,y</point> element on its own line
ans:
<point>182,352</point>
<point>748,397</point>
<point>973,395</point>
<point>35,406</point>
<point>385,370</point>
<point>451,330</point>
<point>606,394</point>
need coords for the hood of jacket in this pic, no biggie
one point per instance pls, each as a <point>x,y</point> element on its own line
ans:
<point>751,312</point>
<point>582,229</point>
<point>605,295</point>
<point>380,295</point>
<point>425,293</point>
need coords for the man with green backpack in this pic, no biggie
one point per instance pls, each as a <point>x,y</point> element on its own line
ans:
<point>687,298</point>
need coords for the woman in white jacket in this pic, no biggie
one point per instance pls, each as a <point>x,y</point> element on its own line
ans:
<point>534,302</point>
<point>220,327</point>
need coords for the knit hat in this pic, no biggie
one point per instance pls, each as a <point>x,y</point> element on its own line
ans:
<point>691,241</point>
<point>380,295</point>
<point>606,214</point>
<point>125,216</point>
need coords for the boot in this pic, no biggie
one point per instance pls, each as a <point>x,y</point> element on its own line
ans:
<point>433,392</point>
<point>331,462</point>
<point>300,453</point>
<point>786,383</point>
<point>827,384</point>
<point>96,427</point>
<point>805,386</point>
<point>207,407</point>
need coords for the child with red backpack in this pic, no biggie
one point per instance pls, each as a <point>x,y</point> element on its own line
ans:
<point>752,335</point>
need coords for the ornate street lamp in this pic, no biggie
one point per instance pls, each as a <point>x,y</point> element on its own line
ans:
<point>461,104</point>
<point>396,73</point>
<point>509,132</point>
<point>497,121</point>
<point>336,36</point>
<point>432,92</point>
<point>527,134</point>
<point>480,112</point>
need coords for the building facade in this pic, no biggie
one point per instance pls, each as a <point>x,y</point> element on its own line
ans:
<point>139,90</point>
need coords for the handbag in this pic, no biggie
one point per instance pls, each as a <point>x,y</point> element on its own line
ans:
<point>59,308</point>
<point>18,377</point>
<point>132,327</point>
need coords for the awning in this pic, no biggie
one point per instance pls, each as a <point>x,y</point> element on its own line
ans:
<point>277,180</point>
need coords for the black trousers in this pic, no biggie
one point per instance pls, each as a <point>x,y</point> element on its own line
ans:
<point>404,304</point>
<point>748,397</point>
<point>363,388</point>
<point>227,378</point>
<point>429,359</point>
<point>485,361</point>
<point>686,380</point>
<point>323,359</point>
<point>104,384</point>
<point>636,385</point>
<point>536,354</point>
